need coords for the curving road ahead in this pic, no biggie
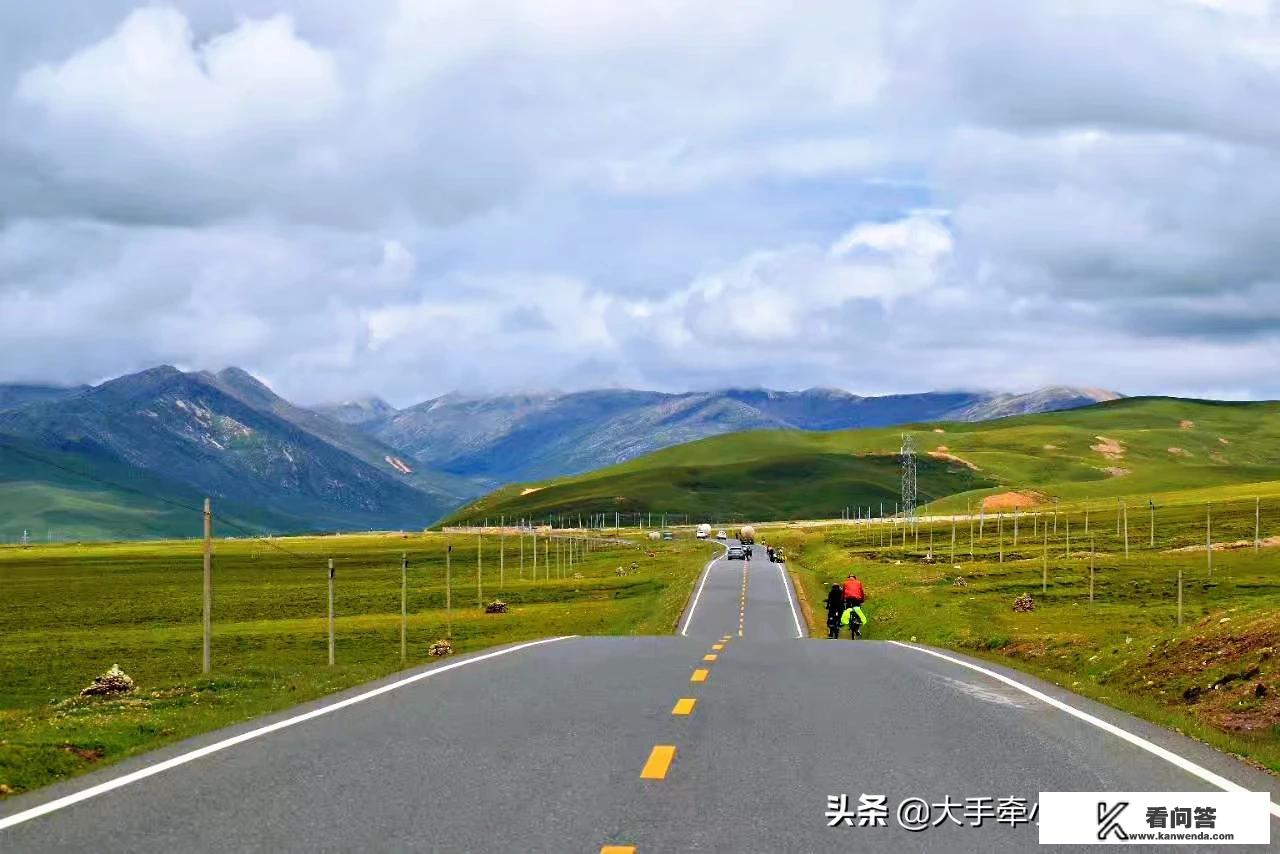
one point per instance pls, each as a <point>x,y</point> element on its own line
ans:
<point>578,744</point>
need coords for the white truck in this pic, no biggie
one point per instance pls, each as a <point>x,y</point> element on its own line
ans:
<point>704,531</point>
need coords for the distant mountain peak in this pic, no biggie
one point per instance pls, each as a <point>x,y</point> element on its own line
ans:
<point>362,410</point>
<point>244,385</point>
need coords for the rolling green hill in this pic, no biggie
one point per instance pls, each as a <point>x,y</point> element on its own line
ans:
<point>102,499</point>
<point>1137,447</point>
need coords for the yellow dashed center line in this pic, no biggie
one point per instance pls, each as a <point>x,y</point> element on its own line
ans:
<point>717,646</point>
<point>700,675</point>
<point>684,706</point>
<point>659,762</point>
<point>742,607</point>
<point>617,849</point>
<point>711,656</point>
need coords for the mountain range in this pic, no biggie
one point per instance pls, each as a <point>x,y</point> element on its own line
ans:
<point>131,456</point>
<point>518,437</point>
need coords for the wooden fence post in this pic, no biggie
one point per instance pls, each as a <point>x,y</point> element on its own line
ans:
<point>207,619</point>
<point>404,609</point>
<point>953,539</point>
<point>1208,535</point>
<point>1126,529</point>
<point>1091,561</point>
<point>331,612</point>
<point>1179,596</point>
<point>1044,580</point>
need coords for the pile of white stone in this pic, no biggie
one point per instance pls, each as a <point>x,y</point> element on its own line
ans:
<point>440,648</point>
<point>114,681</point>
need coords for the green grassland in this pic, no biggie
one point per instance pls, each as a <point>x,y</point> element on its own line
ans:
<point>68,612</point>
<point>780,487</point>
<point>1214,677</point>
<point>1164,447</point>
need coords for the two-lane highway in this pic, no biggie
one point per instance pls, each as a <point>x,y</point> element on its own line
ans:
<point>710,740</point>
<point>768,613</point>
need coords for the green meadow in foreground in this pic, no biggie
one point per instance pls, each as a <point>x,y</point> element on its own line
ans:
<point>1128,449</point>
<point>1214,677</point>
<point>67,613</point>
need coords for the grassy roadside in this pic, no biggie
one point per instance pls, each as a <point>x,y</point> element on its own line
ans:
<point>1214,678</point>
<point>67,613</point>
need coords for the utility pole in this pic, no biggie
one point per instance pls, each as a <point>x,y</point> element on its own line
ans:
<point>1000,534</point>
<point>1152,506</point>
<point>207,620</point>
<point>910,482</point>
<point>448,591</point>
<point>1257,524</point>
<point>479,577</point>
<point>502,554</point>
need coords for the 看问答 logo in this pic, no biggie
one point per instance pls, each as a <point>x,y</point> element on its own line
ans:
<point>1109,820</point>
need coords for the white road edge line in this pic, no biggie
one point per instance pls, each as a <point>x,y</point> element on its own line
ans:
<point>1167,755</point>
<point>706,570</point>
<point>786,585</point>
<point>191,756</point>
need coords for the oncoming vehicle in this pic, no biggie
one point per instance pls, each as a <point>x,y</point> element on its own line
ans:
<point>722,535</point>
<point>736,553</point>
<point>704,531</point>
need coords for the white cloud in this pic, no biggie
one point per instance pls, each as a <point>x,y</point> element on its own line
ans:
<point>152,79</point>
<point>406,196</point>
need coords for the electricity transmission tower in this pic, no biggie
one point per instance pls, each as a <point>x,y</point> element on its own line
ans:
<point>910,493</point>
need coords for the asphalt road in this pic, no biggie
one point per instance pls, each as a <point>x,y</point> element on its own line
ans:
<point>544,748</point>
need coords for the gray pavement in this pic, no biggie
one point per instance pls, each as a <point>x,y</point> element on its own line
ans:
<point>542,749</point>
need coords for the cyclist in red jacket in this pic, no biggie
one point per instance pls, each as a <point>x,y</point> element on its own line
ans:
<point>854,595</point>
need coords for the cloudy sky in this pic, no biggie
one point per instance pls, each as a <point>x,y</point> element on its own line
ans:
<point>406,198</point>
